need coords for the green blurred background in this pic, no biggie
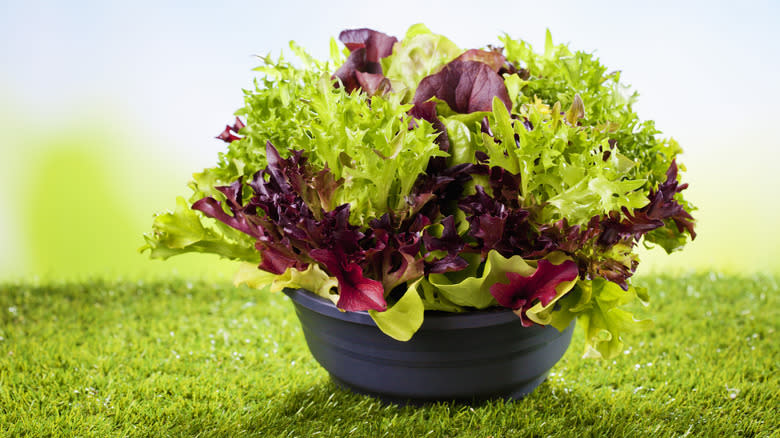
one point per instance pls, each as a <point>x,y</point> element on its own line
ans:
<point>106,110</point>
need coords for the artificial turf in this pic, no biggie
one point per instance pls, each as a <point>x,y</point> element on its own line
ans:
<point>174,358</point>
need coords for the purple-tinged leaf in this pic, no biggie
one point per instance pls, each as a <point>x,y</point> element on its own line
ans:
<point>614,271</point>
<point>373,83</point>
<point>662,207</point>
<point>402,265</point>
<point>484,126</point>
<point>427,111</point>
<point>377,44</point>
<point>325,184</point>
<point>505,186</point>
<point>614,228</point>
<point>356,292</point>
<point>228,134</point>
<point>489,229</point>
<point>570,239</point>
<point>522,292</point>
<point>275,261</point>
<point>213,209</point>
<point>495,225</point>
<point>466,86</point>
<point>449,241</point>
<point>362,69</point>
<point>393,251</point>
<point>347,72</point>
<point>494,59</point>
<point>238,125</point>
<point>234,194</point>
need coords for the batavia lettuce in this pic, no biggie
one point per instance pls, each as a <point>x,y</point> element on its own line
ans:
<point>409,175</point>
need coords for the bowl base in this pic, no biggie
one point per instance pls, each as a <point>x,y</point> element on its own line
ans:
<point>517,393</point>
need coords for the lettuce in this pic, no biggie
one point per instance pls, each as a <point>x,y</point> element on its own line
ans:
<point>402,320</point>
<point>596,305</point>
<point>409,175</point>
<point>419,54</point>
<point>182,231</point>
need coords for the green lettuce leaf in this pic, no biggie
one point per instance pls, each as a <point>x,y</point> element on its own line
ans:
<point>471,288</point>
<point>561,162</point>
<point>462,146</point>
<point>312,279</point>
<point>404,318</point>
<point>433,300</point>
<point>364,141</point>
<point>558,74</point>
<point>596,305</point>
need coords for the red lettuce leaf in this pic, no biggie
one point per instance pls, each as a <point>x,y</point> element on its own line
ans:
<point>372,83</point>
<point>392,250</point>
<point>505,186</point>
<point>276,261</point>
<point>614,270</point>
<point>449,242</point>
<point>213,209</point>
<point>377,44</point>
<point>570,238</point>
<point>362,69</point>
<point>466,86</point>
<point>356,62</point>
<point>494,225</point>
<point>228,134</point>
<point>493,58</point>
<point>356,292</point>
<point>663,205</point>
<point>522,292</point>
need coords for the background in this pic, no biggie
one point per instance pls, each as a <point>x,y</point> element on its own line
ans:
<point>106,110</point>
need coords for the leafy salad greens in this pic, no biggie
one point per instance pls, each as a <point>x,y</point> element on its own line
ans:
<point>404,176</point>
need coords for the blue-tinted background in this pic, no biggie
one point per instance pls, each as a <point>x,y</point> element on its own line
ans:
<point>106,110</point>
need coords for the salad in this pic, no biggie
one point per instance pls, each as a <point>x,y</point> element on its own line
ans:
<point>407,176</point>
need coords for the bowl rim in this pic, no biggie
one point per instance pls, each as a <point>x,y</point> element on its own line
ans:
<point>433,320</point>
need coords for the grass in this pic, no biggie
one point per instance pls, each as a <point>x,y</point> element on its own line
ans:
<point>181,359</point>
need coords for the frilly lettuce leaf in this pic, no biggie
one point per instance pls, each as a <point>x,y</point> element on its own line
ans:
<point>550,172</point>
<point>561,164</point>
<point>184,230</point>
<point>558,74</point>
<point>404,318</point>
<point>364,141</point>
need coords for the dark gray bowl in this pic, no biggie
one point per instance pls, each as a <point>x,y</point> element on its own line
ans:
<point>467,356</point>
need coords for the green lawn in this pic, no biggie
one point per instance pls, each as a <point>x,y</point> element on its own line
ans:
<point>199,359</point>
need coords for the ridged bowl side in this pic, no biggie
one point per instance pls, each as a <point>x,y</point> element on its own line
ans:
<point>474,355</point>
